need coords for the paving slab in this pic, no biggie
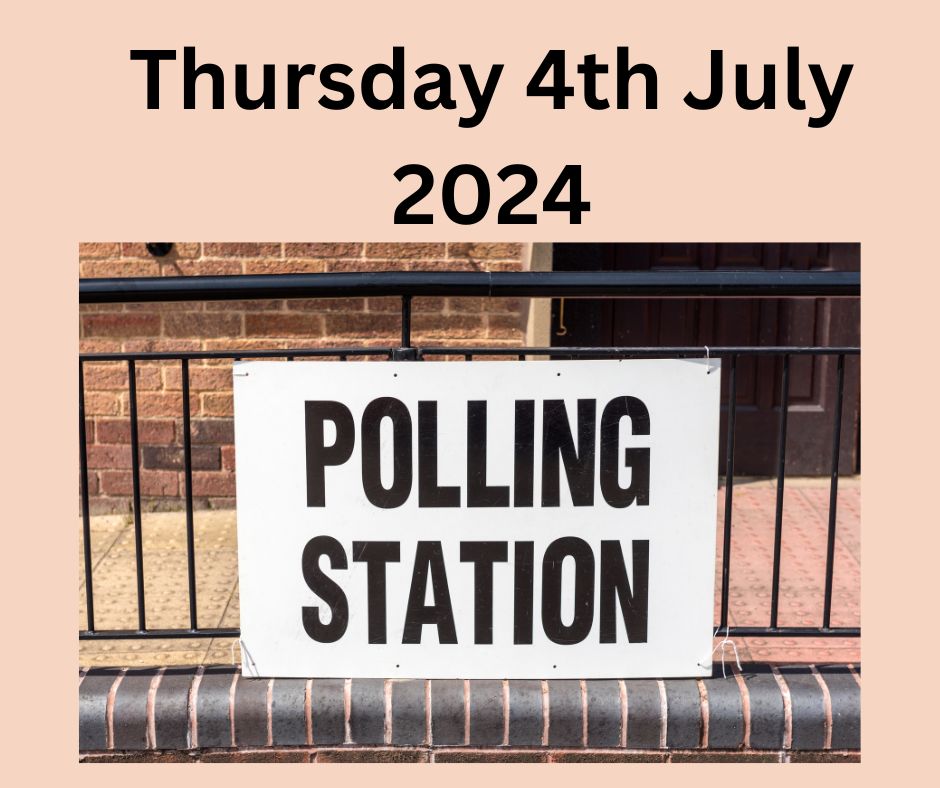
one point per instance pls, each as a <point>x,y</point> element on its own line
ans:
<point>802,566</point>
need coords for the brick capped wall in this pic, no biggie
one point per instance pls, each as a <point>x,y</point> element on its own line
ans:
<point>298,323</point>
<point>215,713</point>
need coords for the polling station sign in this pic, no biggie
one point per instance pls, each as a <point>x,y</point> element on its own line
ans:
<point>485,520</point>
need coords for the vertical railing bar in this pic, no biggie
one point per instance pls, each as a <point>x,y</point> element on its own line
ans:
<point>344,357</point>
<point>834,491</point>
<point>135,477</point>
<point>86,517</point>
<point>781,473</point>
<point>290,358</point>
<point>521,357</point>
<point>406,321</point>
<point>729,488</point>
<point>188,484</point>
<point>468,357</point>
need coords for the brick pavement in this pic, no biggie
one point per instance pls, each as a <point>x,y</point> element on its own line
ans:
<point>802,577</point>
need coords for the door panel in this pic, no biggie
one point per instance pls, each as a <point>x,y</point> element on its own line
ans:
<point>694,322</point>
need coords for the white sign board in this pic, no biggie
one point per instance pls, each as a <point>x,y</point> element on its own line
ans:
<point>477,520</point>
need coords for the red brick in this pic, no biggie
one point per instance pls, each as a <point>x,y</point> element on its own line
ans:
<point>825,756</point>
<point>149,376</point>
<point>301,266</point>
<point>169,306</point>
<point>200,378</point>
<point>173,267</point>
<point>371,755</point>
<point>485,251</point>
<point>245,344</point>
<point>724,756</point>
<point>213,483</point>
<point>142,756</point>
<point>101,269</point>
<point>403,251</point>
<point>393,305</point>
<point>327,304</point>
<point>280,325</point>
<point>102,404</point>
<point>121,325</point>
<point>161,483</point>
<point>217,405</point>
<point>490,756</point>
<point>228,458</point>
<point>242,249</point>
<point>364,266</point>
<point>255,756</point>
<point>445,265</point>
<point>212,431</point>
<point>491,306</point>
<point>116,482</point>
<point>160,345</point>
<point>362,325</point>
<point>211,378</point>
<point>105,376</point>
<point>153,404</point>
<point>87,309</point>
<point>201,324</point>
<point>109,456</point>
<point>135,250</point>
<point>430,326</point>
<point>322,249</point>
<point>148,431</point>
<point>86,345</point>
<point>243,306</point>
<point>302,343</point>
<point>507,265</point>
<point>602,756</point>
<point>203,458</point>
<point>505,326</point>
<point>152,483</point>
<point>112,375</point>
<point>97,249</point>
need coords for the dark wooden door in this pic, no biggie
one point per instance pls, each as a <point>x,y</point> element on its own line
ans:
<point>700,322</point>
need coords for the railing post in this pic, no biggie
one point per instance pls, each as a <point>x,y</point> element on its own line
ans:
<point>86,517</point>
<point>406,352</point>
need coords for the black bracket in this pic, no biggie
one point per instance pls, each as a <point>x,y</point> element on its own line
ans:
<point>405,354</point>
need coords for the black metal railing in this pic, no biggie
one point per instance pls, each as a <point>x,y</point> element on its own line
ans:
<point>407,285</point>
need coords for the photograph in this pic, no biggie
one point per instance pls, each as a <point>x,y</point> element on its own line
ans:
<point>462,502</point>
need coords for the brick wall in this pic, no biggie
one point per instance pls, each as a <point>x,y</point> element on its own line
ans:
<point>299,323</point>
<point>216,713</point>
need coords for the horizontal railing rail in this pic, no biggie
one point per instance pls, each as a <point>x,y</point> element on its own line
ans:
<point>406,285</point>
<point>531,284</point>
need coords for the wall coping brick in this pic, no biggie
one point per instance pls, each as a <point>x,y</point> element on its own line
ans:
<point>799,712</point>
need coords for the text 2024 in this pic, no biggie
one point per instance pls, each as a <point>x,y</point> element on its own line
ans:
<point>564,195</point>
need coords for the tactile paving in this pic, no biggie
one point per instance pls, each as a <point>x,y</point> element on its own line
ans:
<point>802,577</point>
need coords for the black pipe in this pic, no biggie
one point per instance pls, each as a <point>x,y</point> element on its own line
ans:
<point>534,284</point>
